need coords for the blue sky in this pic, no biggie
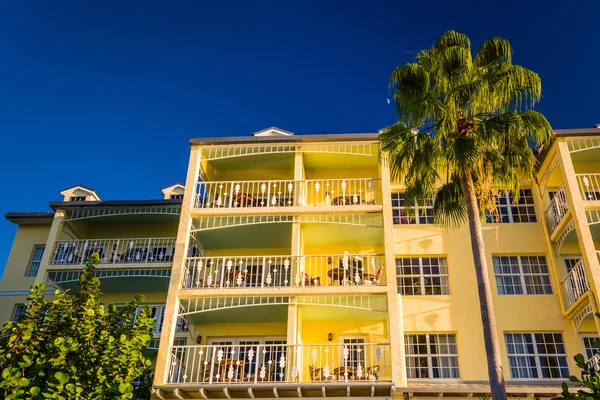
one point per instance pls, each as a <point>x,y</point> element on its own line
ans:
<point>107,93</point>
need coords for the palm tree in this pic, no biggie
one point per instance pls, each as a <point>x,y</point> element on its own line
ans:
<point>465,128</point>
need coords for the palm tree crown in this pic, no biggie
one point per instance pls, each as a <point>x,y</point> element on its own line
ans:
<point>463,116</point>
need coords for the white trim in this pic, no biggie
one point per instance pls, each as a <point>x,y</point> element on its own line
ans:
<point>21,292</point>
<point>582,342</point>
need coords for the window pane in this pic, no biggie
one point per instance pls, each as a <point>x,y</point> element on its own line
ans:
<point>422,276</point>
<point>442,353</point>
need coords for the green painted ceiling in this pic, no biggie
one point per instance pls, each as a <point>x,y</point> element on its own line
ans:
<point>323,235</point>
<point>587,156</point>
<point>125,284</point>
<point>332,313</point>
<point>267,313</point>
<point>259,161</point>
<point>277,235</point>
<point>338,161</point>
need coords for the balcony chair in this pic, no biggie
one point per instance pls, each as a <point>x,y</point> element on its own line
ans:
<point>317,374</point>
<point>243,200</point>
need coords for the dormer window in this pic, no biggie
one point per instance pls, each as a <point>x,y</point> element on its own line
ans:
<point>77,198</point>
<point>176,197</point>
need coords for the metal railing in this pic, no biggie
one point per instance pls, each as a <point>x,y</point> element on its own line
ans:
<point>557,209</point>
<point>589,186</point>
<point>288,193</point>
<point>115,251</point>
<point>575,284</point>
<point>283,271</point>
<point>279,363</point>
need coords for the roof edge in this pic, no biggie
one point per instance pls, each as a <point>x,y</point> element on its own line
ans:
<point>339,137</point>
<point>55,205</point>
<point>30,218</point>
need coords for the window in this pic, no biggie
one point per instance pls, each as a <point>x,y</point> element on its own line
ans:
<point>176,196</point>
<point>536,355</point>
<point>77,198</point>
<point>356,351</point>
<point>18,311</point>
<point>571,262</point>
<point>431,356</point>
<point>589,345</point>
<point>522,211</point>
<point>34,262</point>
<point>423,211</point>
<point>422,276</point>
<point>522,275</point>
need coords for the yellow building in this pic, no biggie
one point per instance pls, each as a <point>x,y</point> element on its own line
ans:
<point>286,266</point>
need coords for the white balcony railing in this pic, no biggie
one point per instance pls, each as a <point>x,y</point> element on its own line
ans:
<point>283,271</point>
<point>589,186</point>
<point>115,251</point>
<point>288,193</point>
<point>275,363</point>
<point>557,209</point>
<point>575,284</point>
<point>594,363</point>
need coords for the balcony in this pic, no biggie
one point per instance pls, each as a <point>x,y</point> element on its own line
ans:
<point>115,251</point>
<point>589,186</point>
<point>575,284</point>
<point>283,271</point>
<point>279,364</point>
<point>557,209</point>
<point>288,193</point>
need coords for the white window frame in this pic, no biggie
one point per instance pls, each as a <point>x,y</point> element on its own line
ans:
<point>536,355</point>
<point>31,261</point>
<point>509,205</point>
<point>582,337</point>
<point>362,359</point>
<point>415,219</point>
<point>430,356</point>
<point>522,275</point>
<point>422,276</point>
<point>15,316</point>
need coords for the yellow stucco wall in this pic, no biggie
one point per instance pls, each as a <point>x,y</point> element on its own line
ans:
<point>26,237</point>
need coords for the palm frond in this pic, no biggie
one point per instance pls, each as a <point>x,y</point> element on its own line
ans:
<point>495,50</point>
<point>450,207</point>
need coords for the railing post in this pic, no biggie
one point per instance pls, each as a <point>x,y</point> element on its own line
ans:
<point>212,365</point>
<point>147,251</point>
<point>230,194</point>
<point>222,278</point>
<point>258,353</point>
<point>116,250</point>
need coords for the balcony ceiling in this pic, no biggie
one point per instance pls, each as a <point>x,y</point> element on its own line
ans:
<point>277,235</point>
<point>335,235</point>
<point>277,161</point>
<point>586,156</point>
<point>265,313</point>
<point>339,161</point>
<point>127,284</point>
<point>319,313</point>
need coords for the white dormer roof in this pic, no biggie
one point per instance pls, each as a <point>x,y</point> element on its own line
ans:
<point>175,189</point>
<point>273,131</point>
<point>80,191</point>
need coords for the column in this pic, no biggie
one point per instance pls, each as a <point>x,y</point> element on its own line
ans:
<point>582,229</point>
<point>53,235</point>
<point>394,300</point>
<point>183,235</point>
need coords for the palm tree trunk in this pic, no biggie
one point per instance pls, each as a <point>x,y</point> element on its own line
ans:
<point>488,318</point>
